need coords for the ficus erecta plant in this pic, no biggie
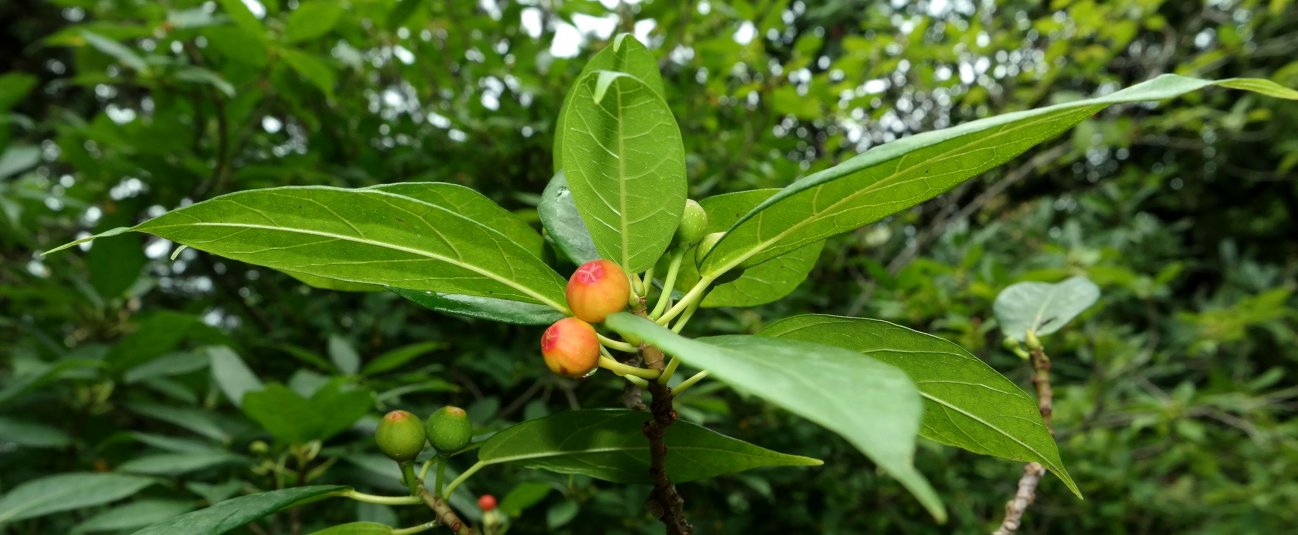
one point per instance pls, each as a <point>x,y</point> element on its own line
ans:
<point>650,259</point>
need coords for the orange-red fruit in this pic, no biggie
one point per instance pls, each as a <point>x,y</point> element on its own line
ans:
<point>598,288</point>
<point>487,502</point>
<point>570,348</point>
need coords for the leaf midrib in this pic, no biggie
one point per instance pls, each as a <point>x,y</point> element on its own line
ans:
<point>427,254</point>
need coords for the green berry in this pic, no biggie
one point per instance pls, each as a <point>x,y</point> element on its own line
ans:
<point>449,429</point>
<point>400,436</point>
<point>694,223</point>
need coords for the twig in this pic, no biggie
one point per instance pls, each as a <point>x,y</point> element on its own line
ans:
<point>1032,473</point>
<point>665,503</point>
<point>445,514</point>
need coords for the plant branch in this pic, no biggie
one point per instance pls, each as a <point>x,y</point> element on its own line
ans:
<point>625,370</point>
<point>444,513</point>
<point>665,503</point>
<point>352,494</point>
<point>1032,473</point>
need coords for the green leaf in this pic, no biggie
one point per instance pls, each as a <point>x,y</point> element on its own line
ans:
<point>625,54</point>
<point>242,17</point>
<point>174,464</point>
<point>115,265</point>
<point>559,215</point>
<point>204,76</point>
<point>625,164</point>
<point>64,492</point>
<point>312,67</point>
<point>470,306</point>
<point>343,355</point>
<point>18,158</point>
<point>154,337</point>
<point>759,284</point>
<point>967,404</point>
<point>118,51</point>
<point>311,20</point>
<point>134,515</point>
<point>1041,307</point>
<point>238,512</point>
<point>198,421</point>
<point>296,420</point>
<point>31,434</point>
<point>874,406</point>
<point>14,86</point>
<point>356,528</point>
<point>610,445</point>
<point>399,357</point>
<point>364,236</point>
<point>471,205</point>
<point>401,12</point>
<point>523,496</point>
<point>233,376</point>
<point>893,177</point>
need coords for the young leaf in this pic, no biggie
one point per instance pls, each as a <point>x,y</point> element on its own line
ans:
<point>312,67</point>
<point>874,406</point>
<point>625,163</point>
<point>625,54</point>
<point>364,236</point>
<point>398,357</point>
<point>64,492</point>
<point>523,496</point>
<point>502,310</point>
<point>966,403</point>
<point>610,445</point>
<point>175,464</point>
<point>1041,307</point>
<point>559,215</point>
<point>238,512</point>
<point>892,177</point>
<point>759,284</point>
<point>243,17</point>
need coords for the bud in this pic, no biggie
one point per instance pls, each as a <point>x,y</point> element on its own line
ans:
<point>449,429</point>
<point>570,348</point>
<point>598,288</point>
<point>694,223</point>
<point>487,502</point>
<point>400,436</point>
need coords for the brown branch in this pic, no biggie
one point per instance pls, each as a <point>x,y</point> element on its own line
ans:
<point>665,503</point>
<point>444,513</point>
<point>1032,473</point>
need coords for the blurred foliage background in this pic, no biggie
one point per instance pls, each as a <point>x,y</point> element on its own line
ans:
<point>1175,397</point>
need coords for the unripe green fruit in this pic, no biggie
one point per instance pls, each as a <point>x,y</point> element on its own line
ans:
<point>400,436</point>
<point>705,246</point>
<point>570,347</point>
<point>449,429</point>
<point>694,223</point>
<point>598,288</point>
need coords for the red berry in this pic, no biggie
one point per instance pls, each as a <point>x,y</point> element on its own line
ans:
<point>598,288</point>
<point>487,502</point>
<point>570,348</point>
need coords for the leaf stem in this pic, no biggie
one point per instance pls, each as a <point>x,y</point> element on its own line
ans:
<point>690,297</point>
<point>685,318</point>
<point>423,470</point>
<point>615,344</point>
<point>464,476</point>
<point>442,461</point>
<point>686,384</point>
<point>352,494</point>
<point>623,369</point>
<point>669,370</point>
<point>415,529</point>
<point>408,476</point>
<point>669,284</point>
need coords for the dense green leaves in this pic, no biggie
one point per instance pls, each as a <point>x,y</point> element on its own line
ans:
<point>759,284</point>
<point>238,512</point>
<point>610,445</point>
<point>311,20</point>
<point>625,164</point>
<point>1042,308</point>
<point>874,406</point>
<point>901,174</point>
<point>967,404</point>
<point>364,236</point>
<point>559,214</point>
<point>65,492</point>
